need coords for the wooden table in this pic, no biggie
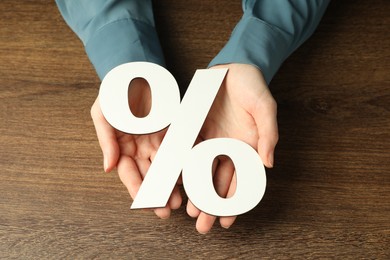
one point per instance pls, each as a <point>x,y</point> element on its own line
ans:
<point>327,197</point>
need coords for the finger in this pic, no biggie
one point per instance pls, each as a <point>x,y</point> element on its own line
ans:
<point>226,222</point>
<point>192,211</point>
<point>175,199</point>
<point>143,166</point>
<point>129,174</point>
<point>107,138</point>
<point>266,121</point>
<point>163,213</point>
<point>205,222</point>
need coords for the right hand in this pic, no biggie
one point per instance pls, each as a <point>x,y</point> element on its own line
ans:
<point>244,109</point>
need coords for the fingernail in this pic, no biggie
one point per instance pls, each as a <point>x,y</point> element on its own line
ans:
<point>202,232</point>
<point>271,160</point>
<point>225,227</point>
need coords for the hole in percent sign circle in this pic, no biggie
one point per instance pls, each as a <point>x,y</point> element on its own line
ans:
<point>224,177</point>
<point>140,97</point>
<point>177,152</point>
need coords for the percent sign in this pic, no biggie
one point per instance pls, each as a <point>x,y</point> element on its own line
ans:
<point>177,153</point>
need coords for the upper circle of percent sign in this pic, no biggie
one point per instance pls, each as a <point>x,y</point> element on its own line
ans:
<point>177,152</point>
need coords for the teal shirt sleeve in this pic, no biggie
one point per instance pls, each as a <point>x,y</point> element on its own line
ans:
<point>269,31</point>
<point>114,31</point>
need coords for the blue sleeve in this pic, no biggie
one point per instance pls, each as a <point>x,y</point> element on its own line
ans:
<point>269,31</point>
<point>114,31</point>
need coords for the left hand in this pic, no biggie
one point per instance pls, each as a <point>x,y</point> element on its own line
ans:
<point>244,109</point>
<point>132,154</point>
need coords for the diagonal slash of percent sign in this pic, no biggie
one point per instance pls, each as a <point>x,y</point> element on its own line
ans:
<point>176,153</point>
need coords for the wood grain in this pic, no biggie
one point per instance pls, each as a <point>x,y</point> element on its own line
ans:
<point>327,197</point>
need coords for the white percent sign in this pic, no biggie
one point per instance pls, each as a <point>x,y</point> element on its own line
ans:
<point>176,153</point>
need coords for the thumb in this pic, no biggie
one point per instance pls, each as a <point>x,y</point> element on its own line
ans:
<point>107,138</point>
<point>267,126</point>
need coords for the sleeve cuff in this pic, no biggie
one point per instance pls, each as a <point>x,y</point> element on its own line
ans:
<point>255,42</point>
<point>123,41</point>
